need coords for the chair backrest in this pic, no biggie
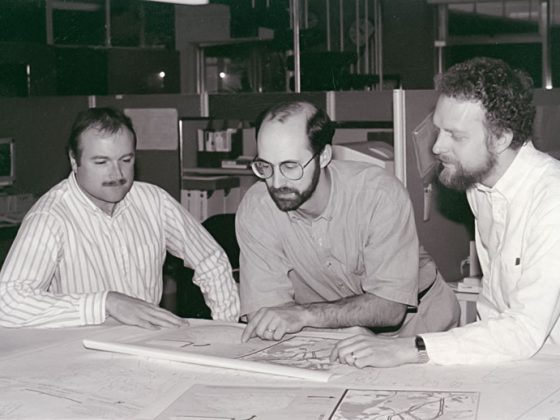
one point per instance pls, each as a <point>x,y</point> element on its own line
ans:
<point>222,228</point>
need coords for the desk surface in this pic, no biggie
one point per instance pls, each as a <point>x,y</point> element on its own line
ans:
<point>48,373</point>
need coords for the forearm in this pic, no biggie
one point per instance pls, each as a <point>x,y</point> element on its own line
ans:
<point>366,310</point>
<point>220,293</point>
<point>21,307</point>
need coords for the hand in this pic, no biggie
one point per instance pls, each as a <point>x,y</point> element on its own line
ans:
<point>370,350</point>
<point>274,323</point>
<point>133,311</point>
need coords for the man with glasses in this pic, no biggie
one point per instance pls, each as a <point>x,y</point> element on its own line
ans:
<point>330,244</point>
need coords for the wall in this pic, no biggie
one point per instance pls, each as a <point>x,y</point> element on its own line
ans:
<point>41,126</point>
<point>160,167</point>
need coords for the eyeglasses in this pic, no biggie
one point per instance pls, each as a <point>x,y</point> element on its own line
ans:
<point>291,169</point>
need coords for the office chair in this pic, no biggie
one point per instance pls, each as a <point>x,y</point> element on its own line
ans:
<point>222,228</point>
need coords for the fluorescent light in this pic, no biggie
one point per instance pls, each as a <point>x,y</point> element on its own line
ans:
<point>189,2</point>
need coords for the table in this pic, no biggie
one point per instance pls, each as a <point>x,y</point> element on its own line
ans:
<point>49,374</point>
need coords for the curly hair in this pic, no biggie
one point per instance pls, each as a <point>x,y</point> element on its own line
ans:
<point>504,92</point>
<point>320,128</point>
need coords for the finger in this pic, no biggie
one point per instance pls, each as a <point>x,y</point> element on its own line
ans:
<point>162,318</point>
<point>339,348</point>
<point>265,328</point>
<point>143,324</point>
<point>345,353</point>
<point>266,333</point>
<point>165,323</point>
<point>254,321</point>
<point>278,333</point>
<point>248,332</point>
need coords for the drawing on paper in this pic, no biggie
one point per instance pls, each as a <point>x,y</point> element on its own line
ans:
<point>300,351</point>
<point>397,405</point>
<point>237,403</point>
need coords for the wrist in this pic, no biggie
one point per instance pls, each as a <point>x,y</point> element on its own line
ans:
<point>421,352</point>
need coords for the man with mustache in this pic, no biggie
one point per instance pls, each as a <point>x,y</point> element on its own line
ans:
<point>93,246</point>
<point>330,244</point>
<point>485,116</point>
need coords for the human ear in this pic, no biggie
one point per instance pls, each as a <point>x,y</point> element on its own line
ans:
<point>326,156</point>
<point>73,162</point>
<point>503,142</point>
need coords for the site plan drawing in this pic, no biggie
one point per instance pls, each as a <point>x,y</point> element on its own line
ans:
<point>284,403</point>
<point>405,405</point>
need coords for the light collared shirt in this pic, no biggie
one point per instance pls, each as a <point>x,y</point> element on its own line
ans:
<point>518,244</point>
<point>69,254</point>
<point>364,241</point>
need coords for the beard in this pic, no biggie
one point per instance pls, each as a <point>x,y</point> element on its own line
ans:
<point>461,178</point>
<point>289,199</point>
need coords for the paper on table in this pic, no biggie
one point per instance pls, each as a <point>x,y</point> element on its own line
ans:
<point>304,355</point>
<point>203,401</point>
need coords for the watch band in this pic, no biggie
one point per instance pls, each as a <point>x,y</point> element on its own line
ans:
<point>421,348</point>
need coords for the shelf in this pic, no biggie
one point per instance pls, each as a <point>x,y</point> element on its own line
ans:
<point>217,171</point>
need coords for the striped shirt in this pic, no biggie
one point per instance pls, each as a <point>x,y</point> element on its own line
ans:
<point>69,254</point>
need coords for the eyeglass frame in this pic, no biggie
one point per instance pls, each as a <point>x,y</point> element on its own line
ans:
<point>257,159</point>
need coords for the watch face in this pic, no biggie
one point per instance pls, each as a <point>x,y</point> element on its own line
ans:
<point>364,30</point>
<point>419,343</point>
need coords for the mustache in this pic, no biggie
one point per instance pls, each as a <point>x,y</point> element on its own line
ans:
<point>282,190</point>
<point>443,159</point>
<point>115,183</point>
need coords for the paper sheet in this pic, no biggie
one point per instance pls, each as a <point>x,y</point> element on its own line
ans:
<point>305,355</point>
<point>213,402</point>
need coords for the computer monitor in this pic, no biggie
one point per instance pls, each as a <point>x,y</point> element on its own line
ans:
<point>7,162</point>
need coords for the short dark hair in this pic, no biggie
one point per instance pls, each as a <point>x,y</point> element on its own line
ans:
<point>109,120</point>
<point>504,92</point>
<point>320,128</point>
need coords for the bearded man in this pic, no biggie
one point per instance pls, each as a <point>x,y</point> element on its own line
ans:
<point>485,118</point>
<point>330,244</point>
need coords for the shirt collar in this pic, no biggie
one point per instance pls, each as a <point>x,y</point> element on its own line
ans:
<point>509,183</point>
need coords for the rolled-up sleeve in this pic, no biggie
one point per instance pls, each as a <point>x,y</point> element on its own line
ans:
<point>186,238</point>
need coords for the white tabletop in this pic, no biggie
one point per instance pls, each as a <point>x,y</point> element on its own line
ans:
<point>49,374</point>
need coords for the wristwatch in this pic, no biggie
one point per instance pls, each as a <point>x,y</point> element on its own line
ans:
<point>421,348</point>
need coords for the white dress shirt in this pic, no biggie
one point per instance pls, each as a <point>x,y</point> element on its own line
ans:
<point>69,254</point>
<point>518,244</point>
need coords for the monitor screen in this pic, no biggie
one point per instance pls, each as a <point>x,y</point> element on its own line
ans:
<point>7,162</point>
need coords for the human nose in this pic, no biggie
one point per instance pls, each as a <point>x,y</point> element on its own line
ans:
<point>277,178</point>
<point>116,171</point>
<point>439,145</point>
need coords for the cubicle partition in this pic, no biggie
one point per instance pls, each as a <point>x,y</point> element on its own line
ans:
<point>40,127</point>
<point>547,121</point>
<point>443,218</point>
